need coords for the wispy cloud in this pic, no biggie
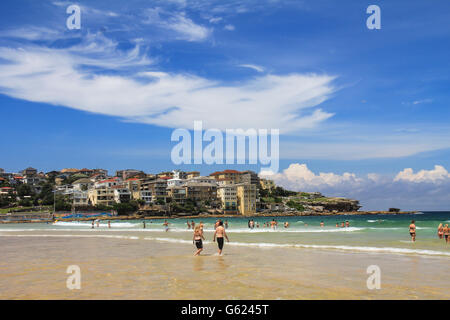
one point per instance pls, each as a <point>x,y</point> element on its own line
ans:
<point>252,66</point>
<point>178,23</point>
<point>56,76</point>
<point>229,27</point>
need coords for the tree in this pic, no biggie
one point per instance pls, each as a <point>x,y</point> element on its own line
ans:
<point>24,190</point>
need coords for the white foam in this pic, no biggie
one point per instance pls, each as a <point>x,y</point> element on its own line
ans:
<point>69,236</point>
<point>390,250</point>
<point>89,224</point>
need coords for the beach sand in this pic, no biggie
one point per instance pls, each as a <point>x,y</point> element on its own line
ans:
<point>136,268</point>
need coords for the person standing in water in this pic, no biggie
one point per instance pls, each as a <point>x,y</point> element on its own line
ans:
<point>197,240</point>
<point>192,224</point>
<point>188,224</point>
<point>321,223</point>
<point>447,233</point>
<point>226,224</point>
<point>92,224</point>
<point>98,223</point>
<point>347,224</point>
<point>412,231</point>
<point>144,223</point>
<point>166,225</point>
<point>220,234</point>
<point>109,224</point>
<point>440,231</point>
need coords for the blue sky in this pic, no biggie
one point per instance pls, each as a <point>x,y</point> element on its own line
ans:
<point>347,99</point>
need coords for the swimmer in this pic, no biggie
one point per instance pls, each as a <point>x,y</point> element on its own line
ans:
<point>347,224</point>
<point>273,224</point>
<point>343,225</point>
<point>226,224</point>
<point>412,231</point>
<point>192,224</point>
<point>197,240</point>
<point>109,224</point>
<point>322,224</point>
<point>440,231</point>
<point>92,224</point>
<point>144,224</point>
<point>98,223</point>
<point>337,225</point>
<point>447,233</point>
<point>220,234</point>
<point>166,225</point>
<point>188,224</point>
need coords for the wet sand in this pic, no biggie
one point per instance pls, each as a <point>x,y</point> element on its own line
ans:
<point>115,268</point>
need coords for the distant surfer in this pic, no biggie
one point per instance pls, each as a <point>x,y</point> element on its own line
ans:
<point>412,231</point>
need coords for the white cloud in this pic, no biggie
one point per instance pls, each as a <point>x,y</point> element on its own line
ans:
<point>178,23</point>
<point>229,27</point>
<point>424,190</point>
<point>59,77</point>
<point>437,175</point>
<point>252,66</point>
<point>215,20</point>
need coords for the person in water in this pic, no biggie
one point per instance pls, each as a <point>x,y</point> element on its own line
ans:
<point>220,234</point>
<point>226,224</point>
<point>92,224</point>
<point>343,224</point>
<point>321,223</point>
<point>273,224</point>
<point>347,224</point>
<point>337,225</point>
<point>166,225</point>
<point>198,240</point>
<point>144,224</point>
<point>109,224</point>
<point>447,233</point>
<point>188,224</point>
<point>440,231</point>
<point>412,231</point>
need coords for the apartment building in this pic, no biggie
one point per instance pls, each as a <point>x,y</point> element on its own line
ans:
<point>227,195</point>
<point>246,196</point>
<point>227,174</point>
<point>101,196</point>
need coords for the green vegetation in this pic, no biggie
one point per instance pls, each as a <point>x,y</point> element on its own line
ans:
<point>297,206</point>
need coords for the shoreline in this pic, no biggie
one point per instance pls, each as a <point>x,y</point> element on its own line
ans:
<point>265,215</point>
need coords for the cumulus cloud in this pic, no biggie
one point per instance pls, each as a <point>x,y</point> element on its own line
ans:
<point>229,27</point>
<point>438,175</point>
<point>424,190</point>
<point>60,77</point>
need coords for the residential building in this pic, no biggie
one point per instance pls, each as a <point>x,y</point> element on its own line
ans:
<point>227,195</point>
<point>29,172</point>
<point>267,184</point>
<point>101,196</point>
<point>246,196</point>
<point>158,188</point>
<point>249,177</point>
<point>83,184</point>
<point>121,194</point>
<point>197,192</point>
<point>177,194</point>
<point>227,174</point>
<point>192,174</point>
<point>107,183</point>
<point>128,173</point>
